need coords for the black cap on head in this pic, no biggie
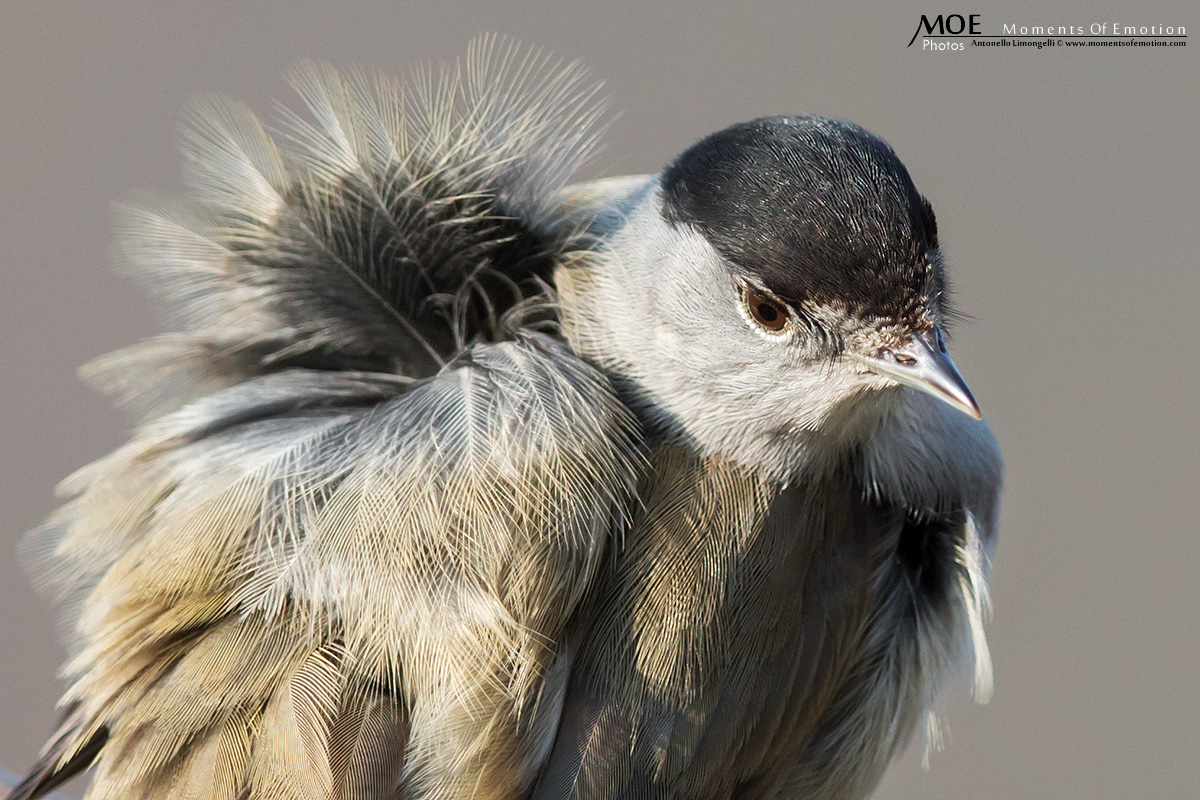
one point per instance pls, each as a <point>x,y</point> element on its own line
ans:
<point>816,209</point>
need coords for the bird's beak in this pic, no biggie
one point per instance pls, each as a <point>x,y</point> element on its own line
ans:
<point>924,364</point>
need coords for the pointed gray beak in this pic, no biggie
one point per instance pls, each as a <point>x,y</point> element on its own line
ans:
<point>924,364</point>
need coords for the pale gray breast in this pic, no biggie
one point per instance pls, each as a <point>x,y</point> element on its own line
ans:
<point>925,603</point>
<point>742,634</point>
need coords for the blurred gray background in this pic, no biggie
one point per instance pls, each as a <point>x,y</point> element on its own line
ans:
<point>1065,183</point>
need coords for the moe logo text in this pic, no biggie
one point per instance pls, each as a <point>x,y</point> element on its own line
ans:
<point>947,25</point>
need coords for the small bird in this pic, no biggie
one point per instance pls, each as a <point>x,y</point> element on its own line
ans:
<point>460,480</point>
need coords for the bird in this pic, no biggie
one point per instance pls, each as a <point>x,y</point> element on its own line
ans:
<point>459,478</point>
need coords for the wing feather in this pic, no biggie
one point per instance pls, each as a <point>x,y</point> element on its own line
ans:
<point>366,746</point>
<point>296,532</point>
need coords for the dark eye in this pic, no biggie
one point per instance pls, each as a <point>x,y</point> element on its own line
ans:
<point>765,311</point>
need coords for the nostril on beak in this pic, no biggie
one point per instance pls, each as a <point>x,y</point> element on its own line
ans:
<point>904,358</point>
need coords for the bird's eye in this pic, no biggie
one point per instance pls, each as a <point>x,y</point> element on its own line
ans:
<point>766,312</point>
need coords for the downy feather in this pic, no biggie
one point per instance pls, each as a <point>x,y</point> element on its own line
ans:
<point>371,485</point>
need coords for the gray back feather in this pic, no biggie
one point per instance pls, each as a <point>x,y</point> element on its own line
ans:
<point>385,229</point>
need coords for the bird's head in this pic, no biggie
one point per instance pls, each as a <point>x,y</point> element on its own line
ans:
<point>780,280</point>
